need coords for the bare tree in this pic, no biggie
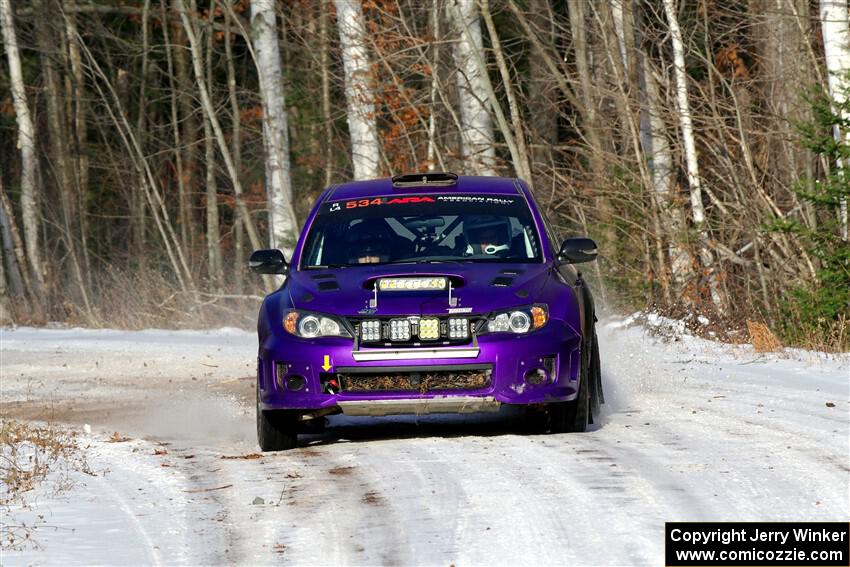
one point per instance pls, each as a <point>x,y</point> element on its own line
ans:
<point>207,105</point>
<point>362,129</point>
<point>694,182</point>
<point>11,252</point>
<point>282,220</point>
<point>478,142</point>
<point>60,148</point>
<point>324,45</point>
<point>26,142</point>
<point>522,163</point>
<point>659,157</point>
<point>836,43</point>
<point>216,270</point>
<point>185,125</point>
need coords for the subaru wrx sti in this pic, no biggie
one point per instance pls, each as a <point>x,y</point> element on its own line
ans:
<point>426,293</point>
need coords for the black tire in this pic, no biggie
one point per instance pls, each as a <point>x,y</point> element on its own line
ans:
<point>276,429</point>
<point>574,416</point>
<point>536,420</point>
<point>597,398</point>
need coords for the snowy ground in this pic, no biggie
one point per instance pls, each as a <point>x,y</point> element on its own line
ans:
<point>693,431</point>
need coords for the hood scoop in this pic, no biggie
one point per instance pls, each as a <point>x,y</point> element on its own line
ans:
<point>328,285</point>
<point>502,281</point>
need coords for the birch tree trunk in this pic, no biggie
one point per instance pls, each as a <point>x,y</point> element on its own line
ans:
<point>835,25</point>
<point>362,127</point>
<point>659,156</point>
<point>477,140</point>
<point>684,111</point>
<point>26,143</point>
<point>282,221</point>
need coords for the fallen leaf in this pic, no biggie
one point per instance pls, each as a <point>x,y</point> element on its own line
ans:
<point>248,457</point>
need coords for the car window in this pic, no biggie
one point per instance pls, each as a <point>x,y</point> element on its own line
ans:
<point>414,228</point>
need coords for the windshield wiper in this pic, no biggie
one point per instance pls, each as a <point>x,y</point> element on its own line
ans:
<point>414,261</point>
<point>327,266</point>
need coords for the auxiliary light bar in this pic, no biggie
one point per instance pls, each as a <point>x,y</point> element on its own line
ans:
<point>412,284</point>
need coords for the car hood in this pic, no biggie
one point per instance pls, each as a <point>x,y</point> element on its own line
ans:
<point>480,288</point>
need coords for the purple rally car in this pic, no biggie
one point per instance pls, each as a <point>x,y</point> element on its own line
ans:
<point>426,293</point>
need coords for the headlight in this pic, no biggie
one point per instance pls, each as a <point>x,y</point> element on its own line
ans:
<point>311,325</point>
<point>519,320</point>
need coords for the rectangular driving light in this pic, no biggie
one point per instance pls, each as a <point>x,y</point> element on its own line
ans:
<point>412,284</point>
<point>429,329</point>
<point>370,331</point>
<point>399,330</point>
<point>458,328</point>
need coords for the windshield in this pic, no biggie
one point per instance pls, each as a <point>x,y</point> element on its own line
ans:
<point>420,228</point>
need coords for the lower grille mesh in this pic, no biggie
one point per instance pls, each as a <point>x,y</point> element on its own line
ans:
<point>421,382</point>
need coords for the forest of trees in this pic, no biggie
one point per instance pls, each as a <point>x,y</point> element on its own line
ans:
<point>147,146</point>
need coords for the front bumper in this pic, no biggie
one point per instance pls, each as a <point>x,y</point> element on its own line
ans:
<point>540,367</point>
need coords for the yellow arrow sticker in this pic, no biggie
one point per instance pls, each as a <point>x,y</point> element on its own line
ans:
<point>327,363</point>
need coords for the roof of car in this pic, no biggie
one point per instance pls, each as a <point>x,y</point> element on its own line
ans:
<point>386,186</point>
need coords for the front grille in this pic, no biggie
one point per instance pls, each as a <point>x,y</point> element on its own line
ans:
<point>421,380</point>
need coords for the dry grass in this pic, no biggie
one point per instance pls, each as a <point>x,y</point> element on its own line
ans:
<point>143,299</point>
<point>762,338</point>
<point>833,337</point>
<point>29,455</point>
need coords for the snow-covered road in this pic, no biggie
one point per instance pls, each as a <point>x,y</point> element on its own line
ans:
<point>693,431</point>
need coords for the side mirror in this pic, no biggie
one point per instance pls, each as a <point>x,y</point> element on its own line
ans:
<point>577,250</point>
<point>269,261</point>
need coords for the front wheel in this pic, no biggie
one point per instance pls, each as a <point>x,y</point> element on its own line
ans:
<point>276,429</point>
<point>597,397</point>
<point>574,416</point>
<point>571,417</point>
